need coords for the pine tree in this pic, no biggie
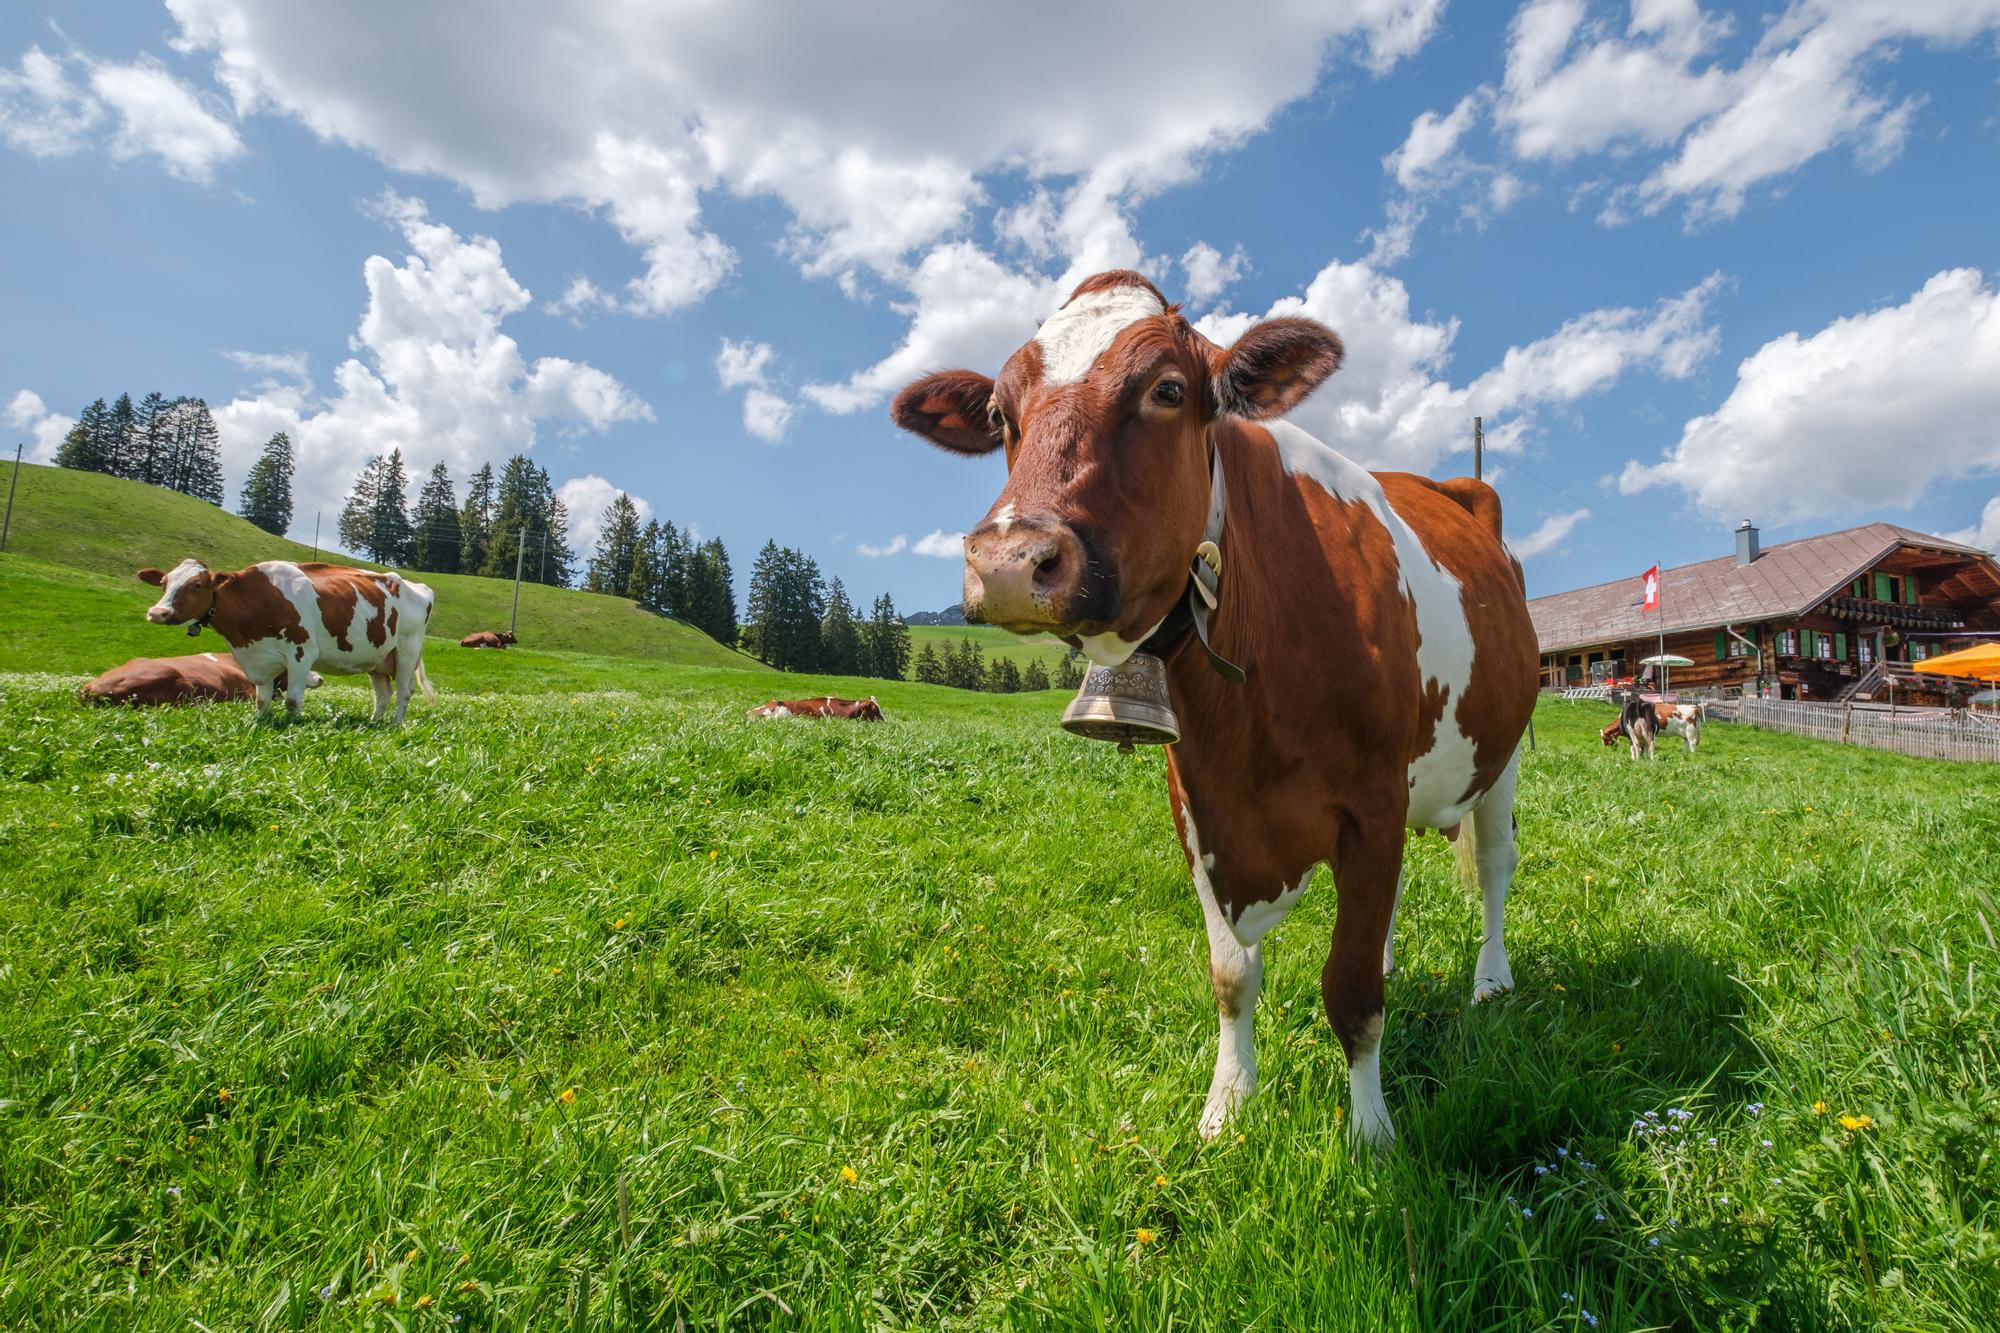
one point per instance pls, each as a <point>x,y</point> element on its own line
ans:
<point>435,542</point>
<point>712,593</point>
<point>475,521</point>
<point>886,641</point>
<point>643,585</point>
<point>1069,671</point>
<point>558,557</point>
<point>389,516</point>
<point>122,440</point>
<point>147,459</point>
<point>192,459</point>
<point>787,604</point>
<point>968,666</point>
<point>267,491</point>
<point>356,525</point>
<point>1005,678</point>
<point>930,671</point>
<point>840,644</point>
<point>617,552</point>
<point>518,507</point>
<point>1036,678</point>
<point>85,448</point>
<point>677,573</point>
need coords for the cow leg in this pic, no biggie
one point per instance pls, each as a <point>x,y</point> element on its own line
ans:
<point>265,689</point>
<point>406,681</point>
<point>1236,975</point>
<point>1389,940</point>
<point>1495,855</point>
<point>381,684</point>
<point>1367,865</point>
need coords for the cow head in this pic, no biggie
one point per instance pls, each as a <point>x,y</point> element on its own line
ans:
<point>507,637</point>
<point>187,592</point>
<point>1105,419</point>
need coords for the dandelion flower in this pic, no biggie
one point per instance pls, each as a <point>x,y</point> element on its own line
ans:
<point>222,1094</point>
<point>712,853</point>
<point>567,1096</point>
<point>470,1284</point>
<point>1853,1122</point>
<point>1144,1237</point>
<point>850,1175</point>
<point>1159,1182</point>
<point>619,924</point>
<point>411,1257</point>
<point>1820,1108</point>
<point>424,1302</point>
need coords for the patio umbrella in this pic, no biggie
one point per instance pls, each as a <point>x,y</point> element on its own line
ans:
<point>1981,662</point>
<point>1663,661</point>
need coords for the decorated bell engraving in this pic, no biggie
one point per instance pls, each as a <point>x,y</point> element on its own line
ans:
<point>1126,704</point>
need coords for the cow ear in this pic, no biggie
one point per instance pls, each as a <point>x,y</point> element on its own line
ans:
<point>1273,367</point>
<point>152,576</point>
<point>951,410</point>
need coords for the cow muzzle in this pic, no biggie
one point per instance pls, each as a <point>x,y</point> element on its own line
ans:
<point>160,615</point>
<point>1023,575</point>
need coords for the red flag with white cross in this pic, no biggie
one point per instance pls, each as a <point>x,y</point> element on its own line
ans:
<point>1652,577</point>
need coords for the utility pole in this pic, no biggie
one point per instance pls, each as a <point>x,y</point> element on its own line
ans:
<point>7,523</point>
<point>1478,448</point>
<point>520,552</point>
<point>315,534</point>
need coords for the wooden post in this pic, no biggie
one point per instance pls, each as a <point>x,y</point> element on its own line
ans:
<point>315,534</point>
<point>520,554</point>
<point>1478,448</point>
<point>7,524</point>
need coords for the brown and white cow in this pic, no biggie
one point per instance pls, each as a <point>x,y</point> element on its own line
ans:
<point>279,618</point>
<point>1391,664</point>
<point>487,638</point>
<point>851,710</point>
<point>1683,720</point>
<point>196,678</point>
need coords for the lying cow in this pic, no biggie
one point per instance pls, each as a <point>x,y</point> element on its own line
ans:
<point>851,710</point>
<point>1683,720</point>
<point>282,620</point>
<point>177,680</point>
<point>1354,662</point>
<point>487,638</point>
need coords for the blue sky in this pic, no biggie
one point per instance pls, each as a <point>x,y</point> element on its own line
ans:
<point>1693,263</point>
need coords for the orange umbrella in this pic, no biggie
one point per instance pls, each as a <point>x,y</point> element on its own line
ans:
<point>1978,663</point>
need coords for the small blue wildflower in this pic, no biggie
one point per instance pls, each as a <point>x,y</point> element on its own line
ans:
<point>1541,1171</point>
<point>1654,1242</point>
<point>1527,1212</point>
<point>1756,1108</point>
<point>1598,1218</point>
<point>1562,1152</point>
<point>326,1292</point>
<point>1711,1143</point>
<point>1588,1166</point>
<point>1588,1318</point>
<point>1765,1142</point>
<point>1567,1298</point>
<point>173,1191</point>
<point>1510,1198</point>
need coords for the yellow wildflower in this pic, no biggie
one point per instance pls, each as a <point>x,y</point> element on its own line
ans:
<point>1159,1182</point>
<point>567,1096</point>
<point>1820,1108</point>
<point>411,1257</point>
<point>1854,1122</point>
<point>712,853</point>
<point>424,1302</point>
<point>469,1284</point>
<point>1145,1237</point>
<point>619,924</point>
<point>222,1095</point>
<point>850,1175</point>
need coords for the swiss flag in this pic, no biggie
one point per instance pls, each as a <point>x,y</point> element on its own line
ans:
<point>1652,577</point>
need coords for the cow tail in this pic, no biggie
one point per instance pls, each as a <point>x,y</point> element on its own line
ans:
<point>1465,849</point>
<point>424,683</point>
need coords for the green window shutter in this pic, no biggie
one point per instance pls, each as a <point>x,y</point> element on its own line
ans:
<point>1840,647</point>
<point>1882,587</point>
<point>1809,642</point>
<point>1721,645</point>
<point>1910,589</point>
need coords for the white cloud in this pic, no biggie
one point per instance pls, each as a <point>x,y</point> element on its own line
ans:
<point>281,365</point>
<point>45,429</point>
<point>1547,536</point>
<point>743,363</point>
<point>1427,153</point>
<point>641,111</point>
<point>1391,405</point>
<point>1210,273</point>
<point>1869,412</point>
<point>1986,532</point>
<point>1574,88</point>
<point>433,374</point>
<point>42,112</point>
<point>585,499</point>
<point>940,545</point>
<point>766,415</point>
<point>45,113</point>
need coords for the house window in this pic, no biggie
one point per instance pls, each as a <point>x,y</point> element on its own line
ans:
<point>1864,648</point>
<point>1823,646</point>
<point>1919,651</point>
<point>1788,642</point>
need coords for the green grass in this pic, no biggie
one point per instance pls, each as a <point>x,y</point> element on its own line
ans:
<point>996,643</point>
<point>460,980</point>
<point>106,526</point>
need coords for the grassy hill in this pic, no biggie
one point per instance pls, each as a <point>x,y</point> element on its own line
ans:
<point>996,643</point>
<point>109,527</point>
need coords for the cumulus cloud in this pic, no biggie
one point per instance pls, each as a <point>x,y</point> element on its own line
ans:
<point>433,374</point>
<point>766,415</point>
<point>1986,532</point>
<point>45,429</point>
<point>278,365</point>
<point>46,113</point>
<point>747,365</point>
<point>938,544</point>
<point>642,111</point>
<point>1552,532</point>
<point>1392,404</point>
<point>1873,410</point>
<point>743,363</point>
<point>585,499</point>
<point>1428,154</point>
<point>1210,273</point>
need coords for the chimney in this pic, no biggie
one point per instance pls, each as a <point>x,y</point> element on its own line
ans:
<point>1746,543</point>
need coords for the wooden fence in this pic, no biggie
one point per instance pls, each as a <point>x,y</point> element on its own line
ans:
<point>1925,733</point>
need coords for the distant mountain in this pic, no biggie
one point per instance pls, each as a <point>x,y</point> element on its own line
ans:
<point>951,615</point>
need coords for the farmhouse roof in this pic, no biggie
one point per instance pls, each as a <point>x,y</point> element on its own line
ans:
<point>1787,579</point>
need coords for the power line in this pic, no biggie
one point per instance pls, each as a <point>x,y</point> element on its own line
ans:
<point>1584,504</point>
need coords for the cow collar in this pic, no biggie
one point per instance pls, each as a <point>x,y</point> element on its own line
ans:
<point>196,626</point>
<point>1204,584</point>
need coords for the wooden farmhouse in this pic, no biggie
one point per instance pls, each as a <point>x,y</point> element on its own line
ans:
<point>1833,618</point>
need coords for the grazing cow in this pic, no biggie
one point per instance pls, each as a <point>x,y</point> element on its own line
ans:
<point>1638,723</point>
<point>1683,720</point>
<point>487,638</point>
<point>281,619</point>
<point>1359,663</point>
<point>851,710</point>
<point>177,680</point>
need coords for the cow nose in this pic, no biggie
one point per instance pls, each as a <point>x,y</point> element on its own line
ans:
<point>1021,576</point>
<point>158,614</point>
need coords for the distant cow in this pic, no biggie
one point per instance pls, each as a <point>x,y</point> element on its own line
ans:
<point>852,710</point>
<point>1683,720</point>
<point>177,680</point>
<point>281,620</point>
<point>487,638</point>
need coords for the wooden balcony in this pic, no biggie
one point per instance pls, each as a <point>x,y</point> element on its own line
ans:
<point>1868,611</point>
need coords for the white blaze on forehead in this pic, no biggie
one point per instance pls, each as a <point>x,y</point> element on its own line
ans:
<point>1075,336</point>
<point>1439,777</point>
<point>177,580</point>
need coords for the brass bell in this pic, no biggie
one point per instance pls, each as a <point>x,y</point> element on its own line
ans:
<point>1126,704</point>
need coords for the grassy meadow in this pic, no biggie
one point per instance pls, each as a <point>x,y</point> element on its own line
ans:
<point>599,1006</point>
<point>995,643</point>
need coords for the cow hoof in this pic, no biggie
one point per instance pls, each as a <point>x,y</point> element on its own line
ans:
<point>1224,1100</point>
<point>1492,976</point>
<point>1370,1135</point>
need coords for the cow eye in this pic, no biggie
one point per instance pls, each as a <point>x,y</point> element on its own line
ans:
<point>1169,393</point>
<point>996,418</point>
